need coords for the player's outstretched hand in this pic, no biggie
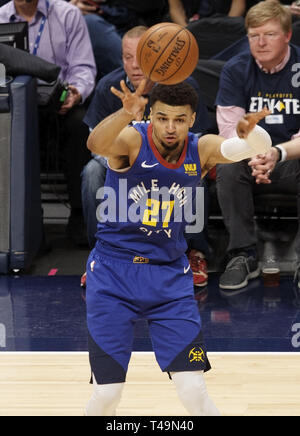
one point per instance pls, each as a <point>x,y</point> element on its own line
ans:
<point>133,102</point>
<point>249,120</point>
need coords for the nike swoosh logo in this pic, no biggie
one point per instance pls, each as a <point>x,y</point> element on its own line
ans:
<point>144,165</point>
<point>185,270</point>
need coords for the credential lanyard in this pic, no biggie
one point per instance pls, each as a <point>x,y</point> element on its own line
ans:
<point>42,25</point>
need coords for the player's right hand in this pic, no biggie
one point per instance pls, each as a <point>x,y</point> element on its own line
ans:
<point>249,121</point>
<point>133,102</point>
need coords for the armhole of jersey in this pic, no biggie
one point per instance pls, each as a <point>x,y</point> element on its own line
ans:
<point>122,170</point>
<point>193,141</point>
<point>127,169</point>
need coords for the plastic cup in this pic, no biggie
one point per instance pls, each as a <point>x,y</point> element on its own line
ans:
<point>271,276</point>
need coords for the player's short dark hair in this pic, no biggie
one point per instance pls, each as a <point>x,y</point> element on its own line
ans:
<point>181,94</point>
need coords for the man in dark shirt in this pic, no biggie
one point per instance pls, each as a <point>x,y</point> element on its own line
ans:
<point>265,76</point>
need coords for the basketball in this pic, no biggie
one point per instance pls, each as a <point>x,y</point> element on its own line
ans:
<point>167,53</point>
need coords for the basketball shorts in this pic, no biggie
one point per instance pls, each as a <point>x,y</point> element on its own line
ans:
<point>119,292</point>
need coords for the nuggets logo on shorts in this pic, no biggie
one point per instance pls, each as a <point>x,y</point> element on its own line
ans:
<point>196,355</point>
<point>140,259</point>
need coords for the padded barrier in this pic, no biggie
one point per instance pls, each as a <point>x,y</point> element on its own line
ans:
<point>20,196</point>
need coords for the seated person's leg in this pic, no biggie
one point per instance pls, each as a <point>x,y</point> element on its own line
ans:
<point>235,186</point>
<point>93,178</point>
<point>75,134</point>
<point>198,248</point>
<point>286,180</point>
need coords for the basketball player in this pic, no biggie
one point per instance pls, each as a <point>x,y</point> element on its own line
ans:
<point>138,268</point>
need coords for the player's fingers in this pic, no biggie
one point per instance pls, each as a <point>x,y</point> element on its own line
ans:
<point>263,113</point>
<point>116,92</point>
<point>254,117</point>
<point>124,88</point>
<point>141,87</point>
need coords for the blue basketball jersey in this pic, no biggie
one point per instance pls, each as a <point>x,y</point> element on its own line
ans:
<point>144,209</point>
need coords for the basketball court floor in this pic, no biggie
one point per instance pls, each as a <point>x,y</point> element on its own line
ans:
<point>252,337</point>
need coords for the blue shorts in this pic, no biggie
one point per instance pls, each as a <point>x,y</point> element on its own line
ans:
<point>119,292</point>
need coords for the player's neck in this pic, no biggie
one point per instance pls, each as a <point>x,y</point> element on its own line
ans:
<point>170,154</point>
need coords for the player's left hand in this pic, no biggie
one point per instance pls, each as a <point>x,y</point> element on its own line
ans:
<point>262,166</point>
<point>249,120</point>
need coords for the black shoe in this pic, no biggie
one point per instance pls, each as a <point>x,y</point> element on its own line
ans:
<point>238,271</point>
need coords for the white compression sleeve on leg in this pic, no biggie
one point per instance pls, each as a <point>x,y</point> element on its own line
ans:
<point>191,389</point>
<point>104,399</point>
<point>258,142</point>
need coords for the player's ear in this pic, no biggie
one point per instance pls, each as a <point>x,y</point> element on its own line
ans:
<point>193,118</point>
<point>151,114</point>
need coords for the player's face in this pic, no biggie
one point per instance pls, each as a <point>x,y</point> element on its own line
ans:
<point>268,43</point>
<point>131,66</point>
<point>171,124</point>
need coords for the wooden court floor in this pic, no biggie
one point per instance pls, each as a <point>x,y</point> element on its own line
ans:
<point>57,384</point>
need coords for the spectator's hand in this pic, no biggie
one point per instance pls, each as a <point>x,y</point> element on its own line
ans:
<point>295,8</point>
<point>73,98</point>
<point>249,120</point>
<point>84,7</point>
<point>262,166</point>
<point>195,17</point>
<point>133,102</point>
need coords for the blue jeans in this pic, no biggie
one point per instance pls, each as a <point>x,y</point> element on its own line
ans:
<point>92,178</point>
<point>106,43</point>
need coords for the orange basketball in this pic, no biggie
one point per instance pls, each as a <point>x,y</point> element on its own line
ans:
<point>167,53</point>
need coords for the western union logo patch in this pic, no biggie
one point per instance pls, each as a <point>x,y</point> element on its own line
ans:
<point>190,169</point>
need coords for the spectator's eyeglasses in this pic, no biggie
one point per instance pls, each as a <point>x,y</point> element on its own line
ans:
<point>269,36</point>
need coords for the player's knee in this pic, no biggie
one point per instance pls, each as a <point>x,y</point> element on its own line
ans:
<point>104,400</point>
<point>191,389</point>
<point>189,382</point>
<point>109,394</point>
